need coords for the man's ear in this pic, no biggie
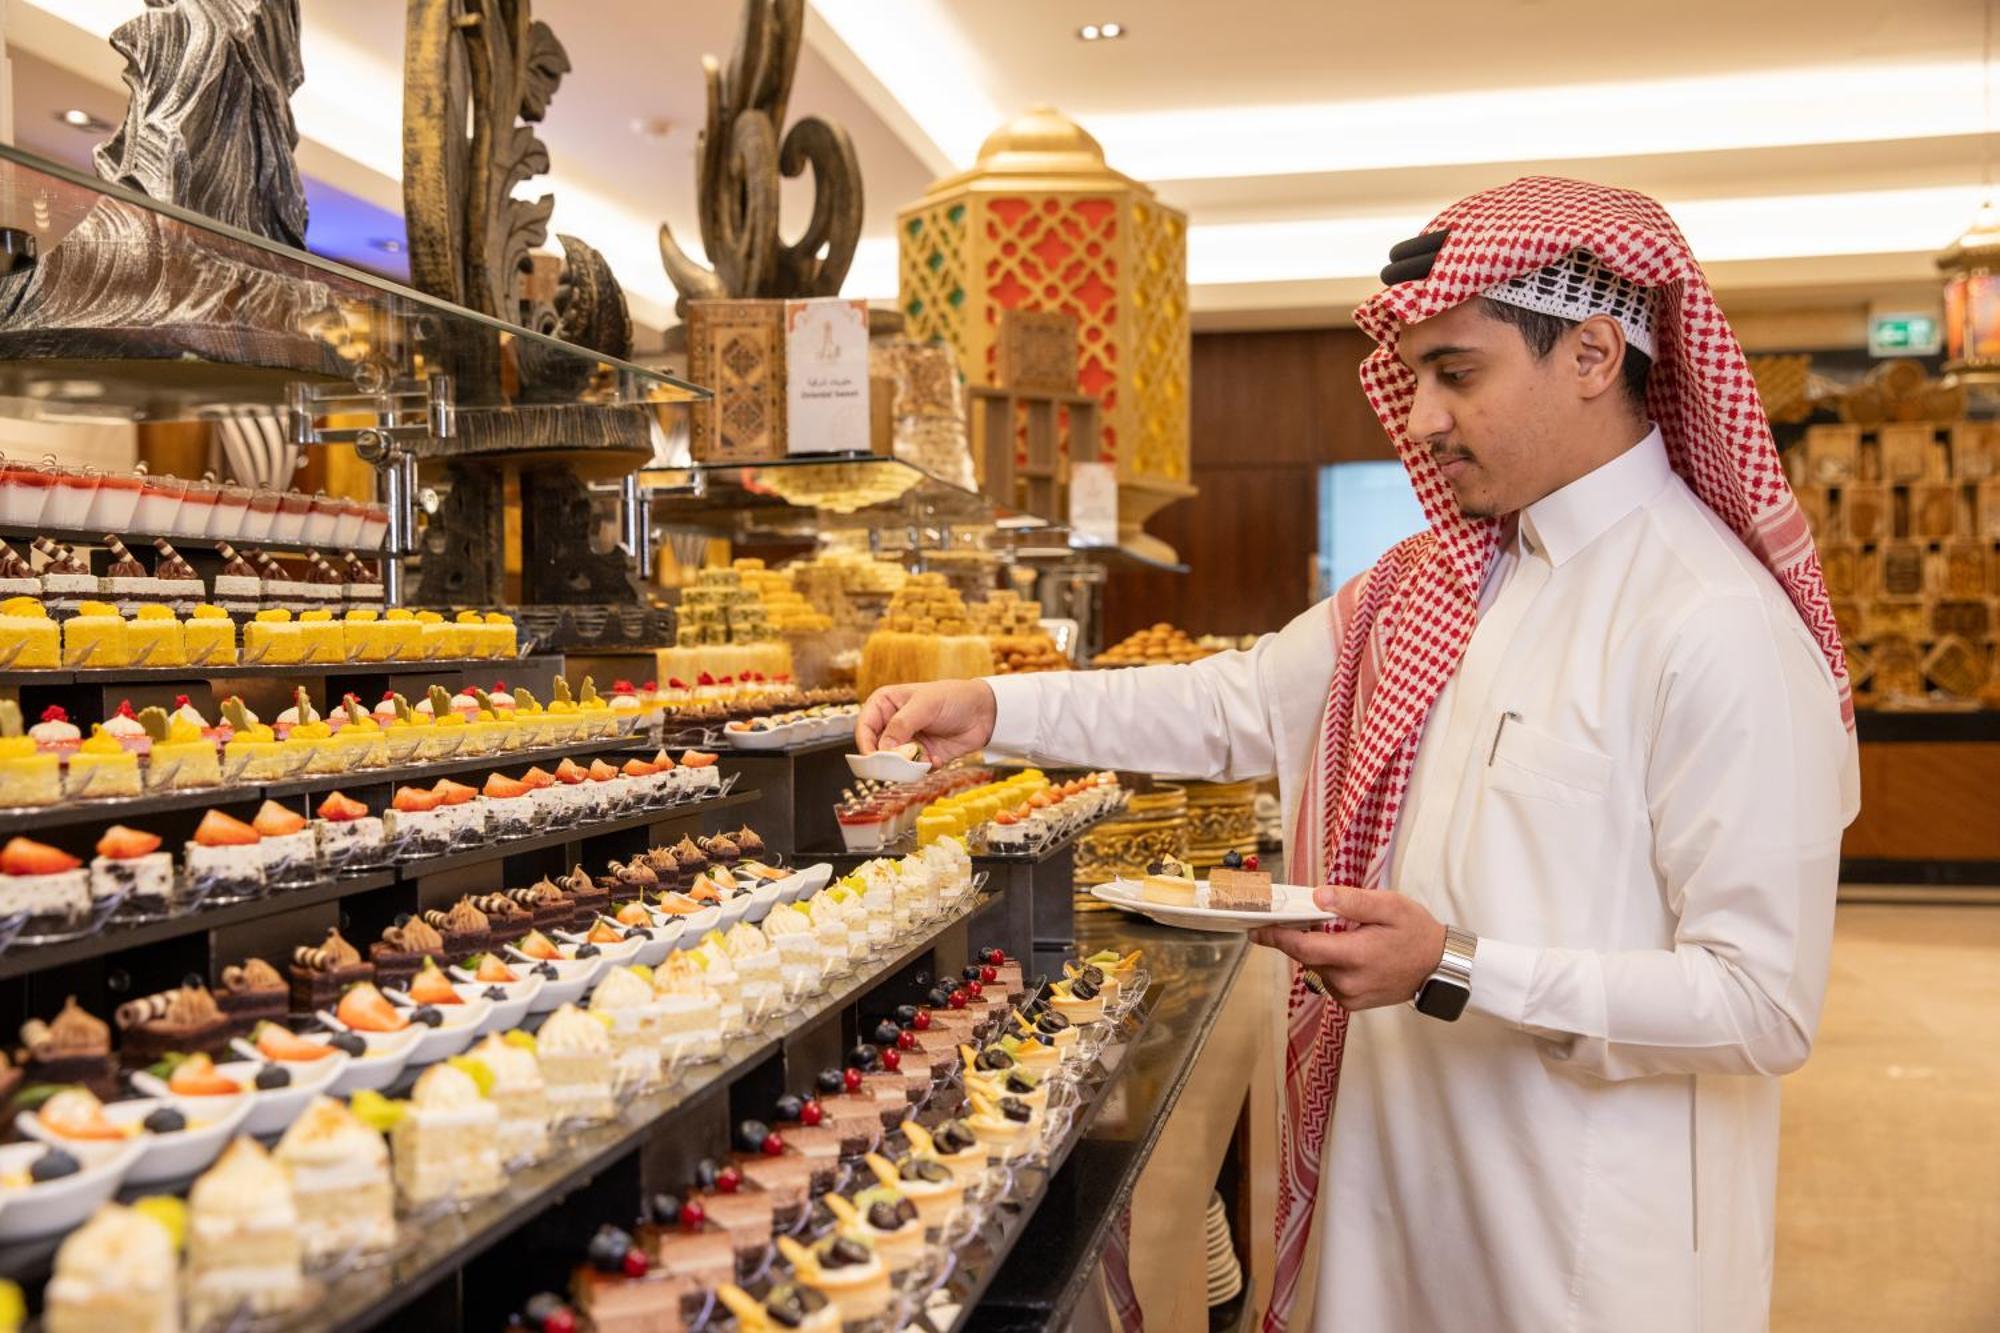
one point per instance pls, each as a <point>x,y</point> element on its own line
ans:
<point>1597,347</point>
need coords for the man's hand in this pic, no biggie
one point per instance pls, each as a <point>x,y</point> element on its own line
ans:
<point>1390,947</point>
<point>947,717</point>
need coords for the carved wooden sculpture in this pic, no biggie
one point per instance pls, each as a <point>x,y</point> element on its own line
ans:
<point>209,125</point>
<point>737,169</point>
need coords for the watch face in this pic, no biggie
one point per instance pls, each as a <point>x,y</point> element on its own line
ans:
<point>1441,999</point>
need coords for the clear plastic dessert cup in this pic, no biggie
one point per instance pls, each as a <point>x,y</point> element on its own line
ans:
<point>70,498</point>
<point>159,505</point>
<point>261,516</point>
<point>347,530</point>
<point>24,492</point>
<point>232,513</point>
<point>293,510</point>
<point>323,521</point>
<point>197,508</point>
<point>374,527</point>
<point>114,501</point>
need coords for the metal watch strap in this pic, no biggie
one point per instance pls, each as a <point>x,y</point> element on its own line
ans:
<point>1445,992</point>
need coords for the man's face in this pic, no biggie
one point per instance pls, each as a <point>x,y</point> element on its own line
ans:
<point>1498,421</point>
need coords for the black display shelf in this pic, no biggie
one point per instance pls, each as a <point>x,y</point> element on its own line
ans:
<point>22,959</point>
<point>729,751</point>
<point>29,819</point>
<point>1042,1260</point>
<point>288,671</point>
<point>907,844</point>
<point>369,1298</point>
<point>495,851</point>
<point>1893,726</point>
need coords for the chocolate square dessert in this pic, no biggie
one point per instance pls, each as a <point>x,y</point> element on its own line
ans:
<point>747,1215</point>
<point>75,1047</point>
<point>402,949</point>
<point>1233,888</point>
<point>585,897</point>
<point>548,907</point>
<point>253,992</point>
<point>185,1019</point>
<point>506,918</point>
<point>321,972</point>
<point>464,930</point>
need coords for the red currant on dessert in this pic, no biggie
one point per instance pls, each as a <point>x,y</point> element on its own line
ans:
<point>852,1078</point>
<point>906,1041</point>
<point>559,1321</point>
<point>1250,861</point>
<point>811,1114</point>
<point>692,1215</point>
<point>773,1146</point>
<point>922,1022</point>
<point>989,974</point>
<point>975,989</point>
<point>635,1262</point>
<point>957,1000</point>
<point>729,1180</point>
<point>892,1060</point>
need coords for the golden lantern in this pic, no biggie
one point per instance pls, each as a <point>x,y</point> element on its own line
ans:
<point>1971,269</point>
<point>1041,223</point>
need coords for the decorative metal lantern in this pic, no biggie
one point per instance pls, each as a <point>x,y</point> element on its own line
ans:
<point>1971,269</point>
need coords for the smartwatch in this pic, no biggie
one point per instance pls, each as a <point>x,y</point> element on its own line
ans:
<point>1444,993</point>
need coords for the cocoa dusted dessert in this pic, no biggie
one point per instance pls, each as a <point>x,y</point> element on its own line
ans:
<point>464,928</point>
<point>506,918</point>
<point>722,850</point>
<point>665,865</point>
<point>688,1250</point>
<point>1238,885</point>
<point>740,1207</point>
<point>74,1047</point>
<point>401,951</point>
<point>320,972</point>
<point>631,879</point>
<point>693,860</point>
<point>252,992</point>
<point>619,1290</point>
<point>803,1125</point>
<point>749,843</point>
<point>185,1019</point>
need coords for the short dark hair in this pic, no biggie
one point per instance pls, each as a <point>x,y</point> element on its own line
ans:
<point>1540,332</point>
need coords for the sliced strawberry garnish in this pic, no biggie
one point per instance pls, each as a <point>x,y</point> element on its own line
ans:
<point>366,1009</point>
<point>601,771</point>
<point>430,986</point>
<point>454,793</point>
<point>637,768</point>
<point>196,1076</point>
<point>538,778</point>
<point>634,914</point>
<point>340,808</point>
<point>219,830</point>
<point>275,1043</point>
<point>537,945</point>
<point>23,856</point>
<point>415,800</point>
<point>275,821</point>
<point>604,933</point>
<point>123,844</point>
<point>491,969</point>
<point>571,772</point>
<point>696,759</point>
<point>501,788</point>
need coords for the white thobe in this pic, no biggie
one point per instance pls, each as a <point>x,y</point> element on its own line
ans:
<point>1632,790</point>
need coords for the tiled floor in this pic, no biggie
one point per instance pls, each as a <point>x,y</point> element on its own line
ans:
<point>1889,1172</point>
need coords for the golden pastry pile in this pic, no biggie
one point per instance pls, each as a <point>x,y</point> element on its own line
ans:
<point>1152,647</point>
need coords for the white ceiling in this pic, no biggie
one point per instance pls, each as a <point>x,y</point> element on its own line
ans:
<point>1815,153</point>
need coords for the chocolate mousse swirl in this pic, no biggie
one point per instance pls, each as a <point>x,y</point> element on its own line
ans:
<point>181,1007</point>
<point>501,907</point>
<point>74,1032</point>
<point>413,936</point>
<point>252,974</point>
<point>331,956</point>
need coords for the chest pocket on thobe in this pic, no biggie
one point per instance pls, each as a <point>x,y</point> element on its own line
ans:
<point>1527,761</point>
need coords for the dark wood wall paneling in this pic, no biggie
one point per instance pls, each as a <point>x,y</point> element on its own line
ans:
<point>1269,410</point>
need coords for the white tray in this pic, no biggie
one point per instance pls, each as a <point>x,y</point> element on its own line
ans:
<point>1291,905</point>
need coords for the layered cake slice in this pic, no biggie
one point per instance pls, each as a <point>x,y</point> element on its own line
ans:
<point>1237,885</point>
<point>243,1238</point>
<point>129,865</point>
<point>519,1092</point>
<point>252,991</point>
<point>339,1173</point>
<point>117,1271</point>
<point>575,1055</point>
<point>1168,882</point>
<point>447,1143</point>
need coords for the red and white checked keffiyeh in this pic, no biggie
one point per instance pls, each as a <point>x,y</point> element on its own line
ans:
<point>1402,628</point>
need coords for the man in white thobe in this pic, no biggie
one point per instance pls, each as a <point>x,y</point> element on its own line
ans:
<point>1626,799</point>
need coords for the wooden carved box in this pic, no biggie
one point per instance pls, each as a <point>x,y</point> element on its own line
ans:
<point>737,349</point>
<point>1038,351</point>
<point>1833,454</point>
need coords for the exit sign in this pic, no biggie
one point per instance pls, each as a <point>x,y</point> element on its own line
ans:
<point>1903,335</point>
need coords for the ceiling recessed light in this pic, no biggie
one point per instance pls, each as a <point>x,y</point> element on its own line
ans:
<point>652,127</point>
<point>387,245</point>
<point>1101,32</point>
<point>78,119</point>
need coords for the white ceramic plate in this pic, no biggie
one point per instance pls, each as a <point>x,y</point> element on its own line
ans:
<point>777,738</point>
<point>620,952</point>
<point>883,766</point>
<point>573,979</point>
<point>505,1013</point>
<point>55,1206</point>
<point>462,1022</point>
<point>159,1157</point>
<point>272,1110</point>
<point>1291,905</point>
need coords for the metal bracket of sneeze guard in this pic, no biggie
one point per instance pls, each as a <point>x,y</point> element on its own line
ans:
<point>402,414</point>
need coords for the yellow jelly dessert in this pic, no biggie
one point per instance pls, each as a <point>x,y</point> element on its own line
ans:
<point>598,719</point>
<point>362,738</point>
<point>273,638</point>
<point>210,636</point>
<point>440,638</point>
<point>253,755</point>
<point>321,636</point>
<point>184,757</point>
<point>103,767</point>
<point>468,635</point>
<point>28,638</point>
<point>366,636</point>
<point>498,636</point>
<point>26,777</point>
<point>95,637</point>
<point>405,634</point>
<point>155,638</point>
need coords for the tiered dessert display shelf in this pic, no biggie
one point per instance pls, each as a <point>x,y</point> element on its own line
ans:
<point>191,547</point>
<point>27,819</point>
<point>800,786</point>
<point>1028,1270</point>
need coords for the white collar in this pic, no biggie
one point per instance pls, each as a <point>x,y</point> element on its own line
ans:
<point>1565,521</point>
